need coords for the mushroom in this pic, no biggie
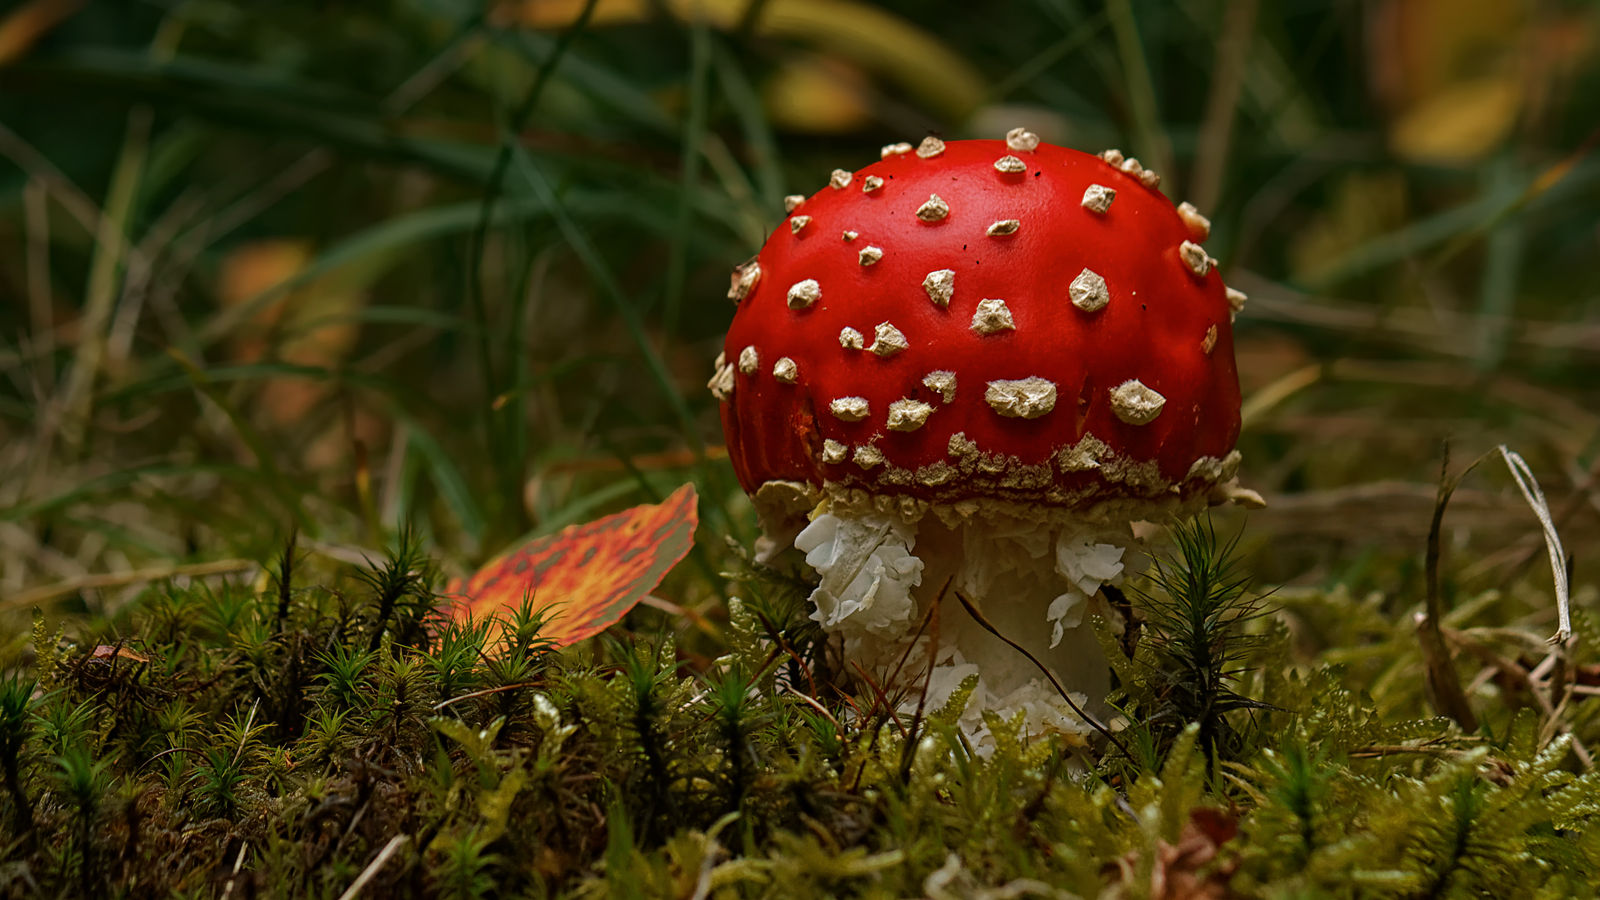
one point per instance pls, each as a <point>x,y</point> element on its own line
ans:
<point>1051,366</point>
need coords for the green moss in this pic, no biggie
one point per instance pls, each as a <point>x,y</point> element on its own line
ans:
<point>333,722</point>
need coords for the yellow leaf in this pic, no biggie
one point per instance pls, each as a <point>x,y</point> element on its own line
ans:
<point>876,40</point>
<point>817,94</point>
<point>1459,124</point>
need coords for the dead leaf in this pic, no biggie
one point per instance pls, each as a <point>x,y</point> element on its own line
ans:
<point>108,652</point>
<point>1457,76</point>
<point>24,26</point>
<point>1459,124</point>
<point>895,49</point>
<point>312,325</point>
<point>588,576</point>
<point>818,95</point>
<point>1176,874</point>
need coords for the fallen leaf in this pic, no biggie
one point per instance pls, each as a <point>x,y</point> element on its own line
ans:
<point>314,324</point>
<point>588,576</point>
<point>23,26</point>
<point>1185,870</point>
<point>818,95</point>
<point>108,652</point>
<point>1459,124</point>
<point>876,40</point>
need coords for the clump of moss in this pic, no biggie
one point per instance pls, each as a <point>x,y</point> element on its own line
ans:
<point>331,726</point>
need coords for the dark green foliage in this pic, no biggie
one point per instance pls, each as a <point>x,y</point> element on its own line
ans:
<point>401,598</point>
<point>1299,788</point>
<point>217,782</point>
<point>643,679</point>
<point>458,646</point>
<point>16,725</point>
<point>285,580</point>
<point>462,869</point>
<point>344,672</point>
<point>737,714</point>
<point>81,781</point>
<point>1196,615</point>
<point>521,637</point>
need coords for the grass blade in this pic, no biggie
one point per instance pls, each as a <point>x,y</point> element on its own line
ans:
<point>446,477</point>
<point>1149,138</point>
<point>694,135</point>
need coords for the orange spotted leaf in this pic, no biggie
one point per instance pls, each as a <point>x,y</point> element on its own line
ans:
<point>588,576</point>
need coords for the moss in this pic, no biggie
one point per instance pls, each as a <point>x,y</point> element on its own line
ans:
<point>332,725</point>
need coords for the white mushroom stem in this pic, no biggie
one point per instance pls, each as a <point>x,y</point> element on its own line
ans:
<point>1035,583</point>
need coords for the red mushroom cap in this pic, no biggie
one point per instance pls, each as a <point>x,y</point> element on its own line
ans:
<point>984,320</point>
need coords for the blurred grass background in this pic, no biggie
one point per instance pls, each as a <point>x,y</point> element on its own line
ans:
<point>340,267</point>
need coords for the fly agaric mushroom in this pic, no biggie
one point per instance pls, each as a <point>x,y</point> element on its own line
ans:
<point>1017,350</point>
